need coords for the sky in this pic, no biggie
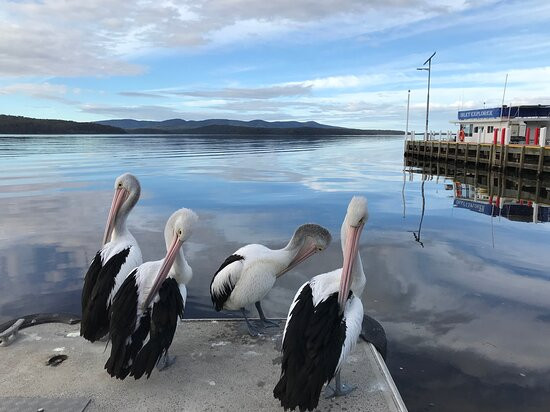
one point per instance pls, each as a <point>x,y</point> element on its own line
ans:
<point>346,63</point>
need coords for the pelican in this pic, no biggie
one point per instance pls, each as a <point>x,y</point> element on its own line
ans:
<point>149,303</point>
<point>119,254</point>
<point>248,275</point>
<point>324,322</point>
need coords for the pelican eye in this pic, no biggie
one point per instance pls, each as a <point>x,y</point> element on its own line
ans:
<point>180,232</point>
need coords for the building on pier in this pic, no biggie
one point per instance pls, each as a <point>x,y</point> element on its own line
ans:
<point>503,125</point>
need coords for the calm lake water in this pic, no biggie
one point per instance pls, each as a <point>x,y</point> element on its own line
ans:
<point>467,315</point>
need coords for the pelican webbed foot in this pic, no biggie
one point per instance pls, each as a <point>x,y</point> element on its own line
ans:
<point>165,362</point>
<point>264,322</point>
<point>252,330</point>
<point>339,389</point>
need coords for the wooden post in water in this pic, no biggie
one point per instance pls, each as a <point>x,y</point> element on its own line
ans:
<point>540,167</point>
<point>505,164</point>
<point>520,180</point>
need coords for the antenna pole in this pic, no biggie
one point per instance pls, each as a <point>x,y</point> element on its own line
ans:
<point>429,69</point>
<point>503,95</point>
<point>407,125</point>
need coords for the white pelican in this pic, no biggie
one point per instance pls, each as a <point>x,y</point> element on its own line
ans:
<point>112,263</point>
<point>324,322</point>
<point>249,274</point>
<point>149,303</point>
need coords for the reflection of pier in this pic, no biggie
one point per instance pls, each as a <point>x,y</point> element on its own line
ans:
<point>512,195</point>
<point>514,185</point>
<point>522,158</point>
<point>474,199</point>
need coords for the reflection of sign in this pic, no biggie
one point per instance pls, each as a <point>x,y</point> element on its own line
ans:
<point>514,211</point>
<point>479,114</point>
<point>484,208</point>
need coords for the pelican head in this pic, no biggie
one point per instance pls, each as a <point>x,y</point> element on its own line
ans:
<point>177,230</point>
<point>180,225</point>
<point>127,191</point>
<point>308,239</point>
<point>356,217</point>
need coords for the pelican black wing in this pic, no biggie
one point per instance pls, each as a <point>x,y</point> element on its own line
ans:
<point>90,280</point>
<point>311,350</point>
<point>124,320</point>
<point>219,298</point>
<point>164,320</point>
<point>95,315</point>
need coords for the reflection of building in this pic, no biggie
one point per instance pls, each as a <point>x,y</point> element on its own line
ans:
<point>477,200</point>
<point>516,124</point>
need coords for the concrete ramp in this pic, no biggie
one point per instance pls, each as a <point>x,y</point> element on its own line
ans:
<point>218,368</point>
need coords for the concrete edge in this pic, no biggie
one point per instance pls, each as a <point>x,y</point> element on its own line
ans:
<point>396,396</point>
<point>240,319</point>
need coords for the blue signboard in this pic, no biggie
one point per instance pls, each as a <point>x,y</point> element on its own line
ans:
<point>505,111</point>
<point>479,114</point>
<point>484,208</point>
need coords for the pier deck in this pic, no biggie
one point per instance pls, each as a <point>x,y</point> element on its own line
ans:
<point>534,159</point>
<point>218,368</point>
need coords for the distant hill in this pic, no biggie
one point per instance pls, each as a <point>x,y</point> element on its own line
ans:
<point>240,130</point>
<point>180,124</point>
<point>28,125</point>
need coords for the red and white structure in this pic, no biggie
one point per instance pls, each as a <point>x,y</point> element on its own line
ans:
<point>527,125</point>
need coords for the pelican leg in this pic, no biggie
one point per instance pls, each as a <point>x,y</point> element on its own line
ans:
<point>265,322</point>
<point>165,362</point>
<point>252,331</point>
<point>340,389</point>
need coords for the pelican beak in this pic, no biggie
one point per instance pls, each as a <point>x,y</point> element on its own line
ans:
<point>164,270</point>
<point>308,249</point>
<point>350,252</point>
<point>119,198</point>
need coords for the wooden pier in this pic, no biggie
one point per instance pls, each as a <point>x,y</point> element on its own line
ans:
<point>510,185</point>
<point>521,158</point>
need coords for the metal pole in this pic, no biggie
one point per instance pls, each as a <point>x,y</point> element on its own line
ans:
<point>428,98</point>
<point>408,102</point>
<point>503,95</point>
<point>429,69</point>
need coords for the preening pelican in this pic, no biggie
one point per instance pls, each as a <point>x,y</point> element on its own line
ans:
<point>119,254</point>
<point>324,322</point>
<point>149,303</point>
<point>249,274</point>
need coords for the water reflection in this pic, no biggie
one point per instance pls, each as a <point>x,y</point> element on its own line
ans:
<point>513,196</point>
<point>468,313</point>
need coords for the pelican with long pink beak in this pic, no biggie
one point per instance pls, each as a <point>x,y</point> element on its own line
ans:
<point>324,323</point>
<point>118,255</point>
<point>149,303</point>
<point>248,275</point>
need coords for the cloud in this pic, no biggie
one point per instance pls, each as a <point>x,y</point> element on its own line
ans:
<point>251,93</point>
<point>139,94</point>
<point>145,112</point>
<point>48,91</point>
<point>99,37</point>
